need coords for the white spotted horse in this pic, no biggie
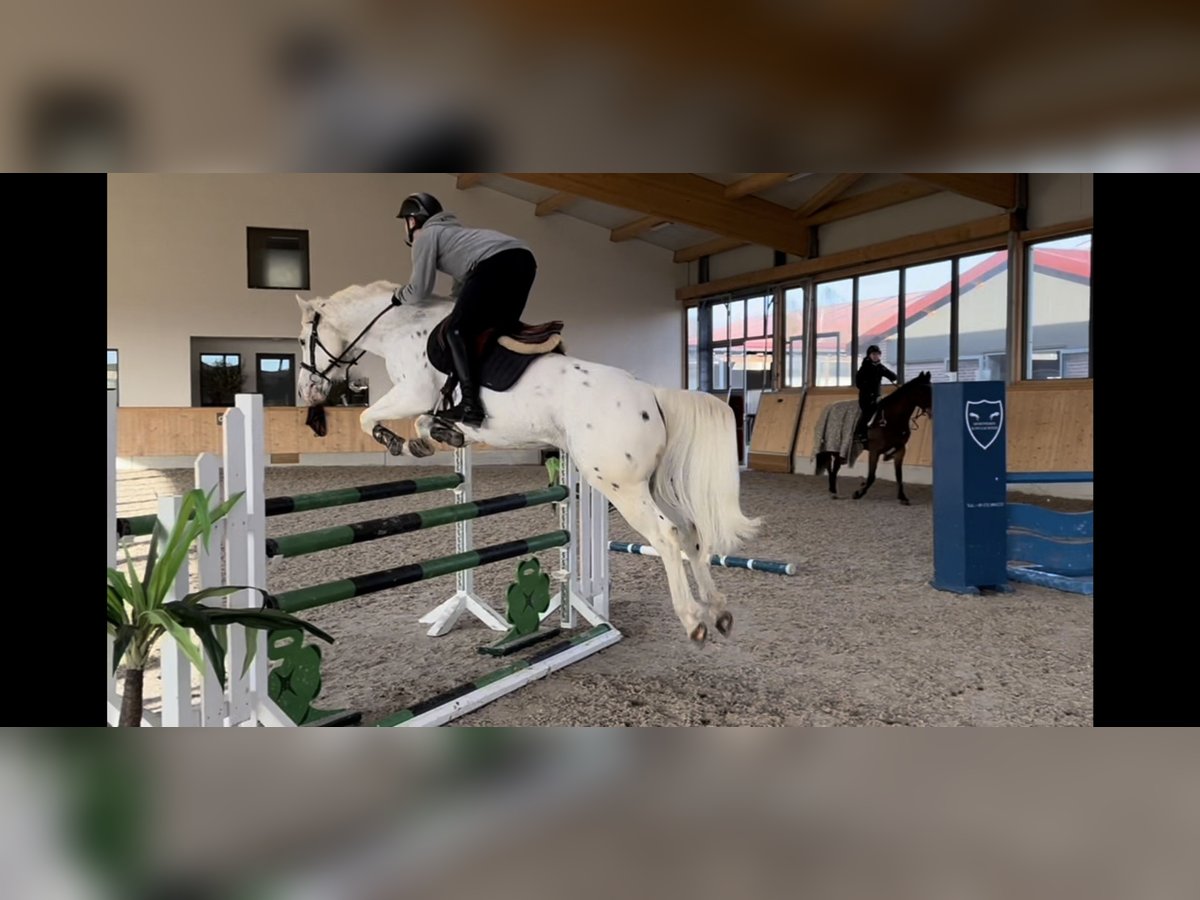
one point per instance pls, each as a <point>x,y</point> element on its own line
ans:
<point>665,458</point>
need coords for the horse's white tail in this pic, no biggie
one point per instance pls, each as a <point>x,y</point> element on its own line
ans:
<point>698,474</point>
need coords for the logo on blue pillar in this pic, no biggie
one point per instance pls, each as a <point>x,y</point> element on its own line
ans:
<point>984,418</point>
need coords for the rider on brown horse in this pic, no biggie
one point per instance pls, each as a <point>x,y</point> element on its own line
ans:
<point>870,374</point>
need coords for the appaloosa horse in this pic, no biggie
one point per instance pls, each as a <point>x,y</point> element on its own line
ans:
<point>666,458</point>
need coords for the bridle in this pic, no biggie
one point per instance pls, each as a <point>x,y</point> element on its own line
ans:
<point>339,359</point>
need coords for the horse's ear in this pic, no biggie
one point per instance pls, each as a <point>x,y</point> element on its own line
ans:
<point>304,304</point>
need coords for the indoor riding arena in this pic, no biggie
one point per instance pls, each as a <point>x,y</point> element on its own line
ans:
<point>941,576</point>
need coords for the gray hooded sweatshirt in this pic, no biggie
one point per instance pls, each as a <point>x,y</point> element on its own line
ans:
<point>443,244</point>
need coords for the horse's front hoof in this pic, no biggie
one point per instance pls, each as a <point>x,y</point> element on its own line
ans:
<point>725,623</point>
<point>699,634</point>
<point>904,501</point>
<point>858,495</point>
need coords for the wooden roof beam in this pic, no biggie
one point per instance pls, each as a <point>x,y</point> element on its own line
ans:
<point>633,229</point>
<point>996,189</point>
<point>553,203</point>
<point>826,195</point>
<point>686,199</point>
<point>752,184</point>
<point>708,248</point>
<point>870,201</point>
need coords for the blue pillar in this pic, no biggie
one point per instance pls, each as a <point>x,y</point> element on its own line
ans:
<point>969,487</point>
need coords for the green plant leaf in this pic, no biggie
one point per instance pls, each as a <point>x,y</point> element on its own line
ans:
<point>224,590</point>
<point>199,619</point>
<point>268,620</point>
<point>121,641</point>
<point>165,619</point>
<point>116,606</point>
<point>137,595</point>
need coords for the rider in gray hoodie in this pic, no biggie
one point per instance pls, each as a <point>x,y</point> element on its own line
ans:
<point>492,274</point>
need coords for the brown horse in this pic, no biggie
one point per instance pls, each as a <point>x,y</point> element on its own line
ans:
<point>886,438</point>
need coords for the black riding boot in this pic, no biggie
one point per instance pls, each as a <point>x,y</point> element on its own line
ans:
<point>470,411</point>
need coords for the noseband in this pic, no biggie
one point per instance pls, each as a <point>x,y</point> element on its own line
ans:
<point>338,359</point>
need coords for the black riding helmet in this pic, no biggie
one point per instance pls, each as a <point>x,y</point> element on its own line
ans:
<point>421,206</point>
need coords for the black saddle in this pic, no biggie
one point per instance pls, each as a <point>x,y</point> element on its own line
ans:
<point>503,355</point>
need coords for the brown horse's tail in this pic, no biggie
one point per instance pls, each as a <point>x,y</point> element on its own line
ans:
<point>822,461</point>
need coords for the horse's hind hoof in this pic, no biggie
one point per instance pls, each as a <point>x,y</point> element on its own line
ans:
<point>904,501</point>
<point>699,634</point>
<point>725,623</point>
<point>420,448</point>
<point>440,431</point>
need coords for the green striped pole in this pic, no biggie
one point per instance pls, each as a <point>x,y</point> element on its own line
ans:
<point>373,529</point>
<point>333,591</point>
<point>280,506</point>
<point>468,697</point>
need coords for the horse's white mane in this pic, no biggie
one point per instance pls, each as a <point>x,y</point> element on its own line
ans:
<point>373,290</point>
<point>359,291</point>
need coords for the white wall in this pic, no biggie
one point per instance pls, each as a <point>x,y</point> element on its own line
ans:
<point>1058,198</point>
<point>177,270</point>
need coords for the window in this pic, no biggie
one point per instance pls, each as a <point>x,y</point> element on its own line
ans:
<point>277,258</point>
<point>693,348</point>
<point>275,378</point>
<point>793,336</point>
<point>878,313</point>
<point>983,316</point>
<point>733,344</point>
<point>948,317</point>
<point>1059,308</point>
<point>835,307</point>
<point>759,358</point>
<point>927,320</point>
<point>220,378</point>
<point>112,372</point>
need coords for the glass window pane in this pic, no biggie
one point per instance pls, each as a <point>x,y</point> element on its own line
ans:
<point>737,366</point>
<point>720,368</point>
<point>720,323</point>
<point>693,348</point>
<point>878,315</point>
<point>793,336</point>
<point>1059,292</point>
<point>221,378</point>
<point>834,302</point>
<point>737,319</point>
<point>927,320</point>
<point>756,325</point>
<point>983,316</point>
